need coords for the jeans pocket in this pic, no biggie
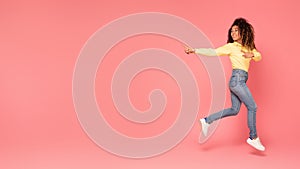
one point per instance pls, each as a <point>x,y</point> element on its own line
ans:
<point>242,78</point>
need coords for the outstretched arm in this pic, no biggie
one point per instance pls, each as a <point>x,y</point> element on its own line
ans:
<point>201,51</point>
<point>221,51</point>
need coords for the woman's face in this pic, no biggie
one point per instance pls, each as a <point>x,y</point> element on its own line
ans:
<point>235,34</point>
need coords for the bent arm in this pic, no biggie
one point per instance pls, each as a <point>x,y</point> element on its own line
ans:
<point>256,55</point>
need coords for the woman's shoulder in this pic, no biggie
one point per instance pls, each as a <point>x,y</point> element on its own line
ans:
<point>233,44</point>
<point>227,45</point>
<point>236,44</point>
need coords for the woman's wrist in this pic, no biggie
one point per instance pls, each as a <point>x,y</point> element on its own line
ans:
<point>193,50</point>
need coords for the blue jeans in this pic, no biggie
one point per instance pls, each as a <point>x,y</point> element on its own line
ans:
<point>240,93</point>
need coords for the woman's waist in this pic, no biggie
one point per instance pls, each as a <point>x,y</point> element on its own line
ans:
<point>239,72</point>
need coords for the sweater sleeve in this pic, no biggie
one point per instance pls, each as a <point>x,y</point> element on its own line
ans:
<point>220,51</point>
<point>257,56</point>
<point>206,51</point>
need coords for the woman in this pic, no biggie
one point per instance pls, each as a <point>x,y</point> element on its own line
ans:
<point>241,50</point>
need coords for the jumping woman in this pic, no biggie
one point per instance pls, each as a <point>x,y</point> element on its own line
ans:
<point>241,50</point>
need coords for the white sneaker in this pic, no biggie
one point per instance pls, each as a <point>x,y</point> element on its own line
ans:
<point>256,144</point>
<point>204,126</point>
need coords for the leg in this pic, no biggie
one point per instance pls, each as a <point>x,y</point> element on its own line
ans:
<point>246,97</point>
<point>248,100</point>
<point>239,88</point>
<point>234,110</point>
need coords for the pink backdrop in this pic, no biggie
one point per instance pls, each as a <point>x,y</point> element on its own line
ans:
<point>40,43</point>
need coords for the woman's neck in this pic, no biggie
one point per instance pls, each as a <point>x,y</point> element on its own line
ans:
<point>238,41</point>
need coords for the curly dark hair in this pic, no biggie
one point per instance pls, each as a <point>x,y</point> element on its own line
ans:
<point>246,31</point>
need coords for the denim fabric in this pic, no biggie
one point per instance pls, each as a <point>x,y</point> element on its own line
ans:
<point>240,93</point>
